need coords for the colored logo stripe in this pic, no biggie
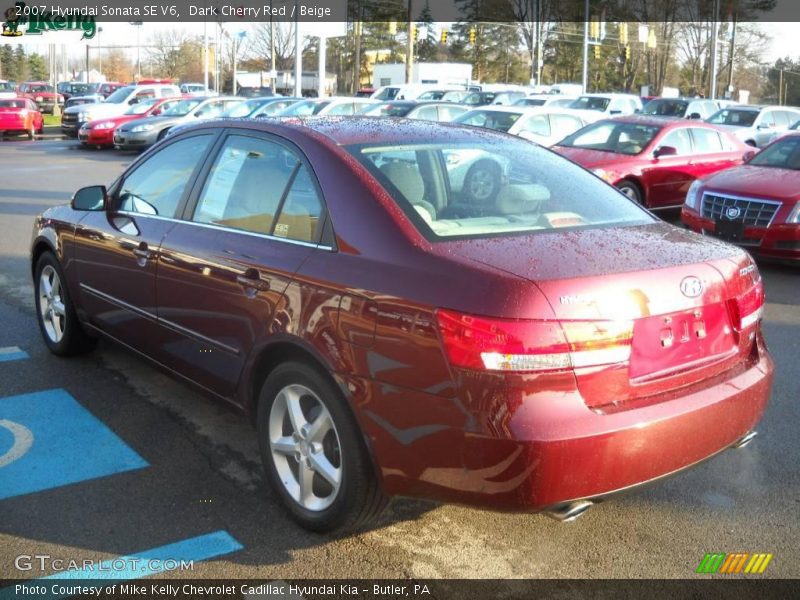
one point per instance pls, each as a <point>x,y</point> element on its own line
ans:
<point>734,563</point>
<point>711,562</point>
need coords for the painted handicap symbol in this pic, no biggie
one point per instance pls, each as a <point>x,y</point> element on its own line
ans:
<point>22,440</point>
<point>48,440</point>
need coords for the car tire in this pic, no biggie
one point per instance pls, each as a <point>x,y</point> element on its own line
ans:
<point>313,451</point>
<point>32,132</point>
<point>482,182</point>
<point>632,190</point>
<point>62,332</point>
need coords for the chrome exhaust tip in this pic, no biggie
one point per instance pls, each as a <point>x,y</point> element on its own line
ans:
<point>566,513</point>
<point>746,439</point>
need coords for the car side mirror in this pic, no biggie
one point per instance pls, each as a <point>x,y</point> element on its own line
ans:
<point>90,198</point>
<point>133,101</point>
<point>665,151</point>
<point>614,112</point>
<point>695,115</point>
<point>748,155</point>
<point>764,126</point>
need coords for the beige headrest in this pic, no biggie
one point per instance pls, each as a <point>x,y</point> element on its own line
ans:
<point>521,198</point>
<point>406,178</point>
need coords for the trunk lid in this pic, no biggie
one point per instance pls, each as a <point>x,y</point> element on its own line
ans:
<point>673,289</point>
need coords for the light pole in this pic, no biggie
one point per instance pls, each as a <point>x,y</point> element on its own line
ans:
<point>138,25</point>
<point>585,79</point>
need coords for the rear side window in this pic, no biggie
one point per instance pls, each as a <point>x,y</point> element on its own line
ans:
<point>492,187</point>
<point>706,141</point>
<point>157,185</point>
<point>538,125</point>
<point>259,186</point>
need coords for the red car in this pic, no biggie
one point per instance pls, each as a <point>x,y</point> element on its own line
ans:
<point>756,205</point>
<point>42,93</point>
<point>538,349</point>
<point>653,160</point>
<point>100,133</point>
<point>20,115</point>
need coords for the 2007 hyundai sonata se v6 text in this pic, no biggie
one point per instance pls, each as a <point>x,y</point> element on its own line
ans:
<point>392,329</point>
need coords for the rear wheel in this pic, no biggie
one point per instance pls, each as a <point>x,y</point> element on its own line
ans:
<point>32,132</point>
<point>482,182</point>
<point>61,330</point>
<point>631,190</point>
<point>313,452</point>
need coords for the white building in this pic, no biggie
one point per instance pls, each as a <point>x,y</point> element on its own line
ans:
<point>431,73</point>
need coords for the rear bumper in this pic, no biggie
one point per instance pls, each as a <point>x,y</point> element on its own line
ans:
<point>541,450</point>
<point>780,241</point>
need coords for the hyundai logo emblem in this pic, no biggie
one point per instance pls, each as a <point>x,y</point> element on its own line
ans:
<point>691,287</point>
<point>733,212</point>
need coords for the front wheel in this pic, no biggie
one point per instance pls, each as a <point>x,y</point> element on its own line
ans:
<point>32,132</point>
<point>313,452</point>
<point>61,330</point>
<point>631,190</point>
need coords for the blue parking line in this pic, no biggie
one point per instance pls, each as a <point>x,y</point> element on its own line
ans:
<point>178,555</point>
<point>12,353</point>
<point>47,440</point>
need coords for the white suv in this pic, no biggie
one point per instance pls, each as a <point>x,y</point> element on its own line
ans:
<point>117,103</point>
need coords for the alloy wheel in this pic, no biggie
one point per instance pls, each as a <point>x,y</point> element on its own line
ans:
<point>52,311</point>
<point>305,447</point>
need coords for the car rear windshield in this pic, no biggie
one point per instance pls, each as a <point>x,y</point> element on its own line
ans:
<point>591,103</point>
<point>499,120</point>
<point>6,87</point>
<point>40,88</point>
<point>13,104</point>
<point>732,116</point>
<point>78,88</point>
<point>783,154</point>
<point>493,187</point>
<point>666,108</point>
<point>620,137</point>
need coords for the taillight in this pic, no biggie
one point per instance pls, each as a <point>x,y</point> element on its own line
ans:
<point>484,343</point>
<point>746,309</point>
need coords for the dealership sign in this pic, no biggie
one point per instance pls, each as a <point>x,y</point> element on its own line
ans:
<point>38,19</point>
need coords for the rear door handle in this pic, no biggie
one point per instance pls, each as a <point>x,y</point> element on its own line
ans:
<point>142,254</point>
<point>251,280</point>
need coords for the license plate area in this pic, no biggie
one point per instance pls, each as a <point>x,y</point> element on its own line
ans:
<point>730,231</point>
<point>668,343</point>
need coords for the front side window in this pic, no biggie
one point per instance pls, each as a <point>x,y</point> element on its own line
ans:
<point>736,117</point>
<point>613,136</point>
<point>261,187</point>
<point>591,103</point>
<point>678,139</point>
<point>537,125</point>
<point>182,108</point>
<point>484,188</point>
<point>491,119</point>
<point>346,108</point>
<point>157,185</point>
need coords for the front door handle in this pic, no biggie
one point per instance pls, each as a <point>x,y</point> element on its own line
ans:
<point>142,254</point>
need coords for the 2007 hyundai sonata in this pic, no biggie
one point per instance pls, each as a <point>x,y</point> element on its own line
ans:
<point>414,309</point>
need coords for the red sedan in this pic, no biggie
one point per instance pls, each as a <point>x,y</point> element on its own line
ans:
<point>389,334</point>
<point>756,205</point>
<point>20,115</point>
<point>100,133</point>
<point>652,160</point>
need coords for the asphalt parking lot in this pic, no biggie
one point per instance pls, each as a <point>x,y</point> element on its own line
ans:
<point>138,462</point>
